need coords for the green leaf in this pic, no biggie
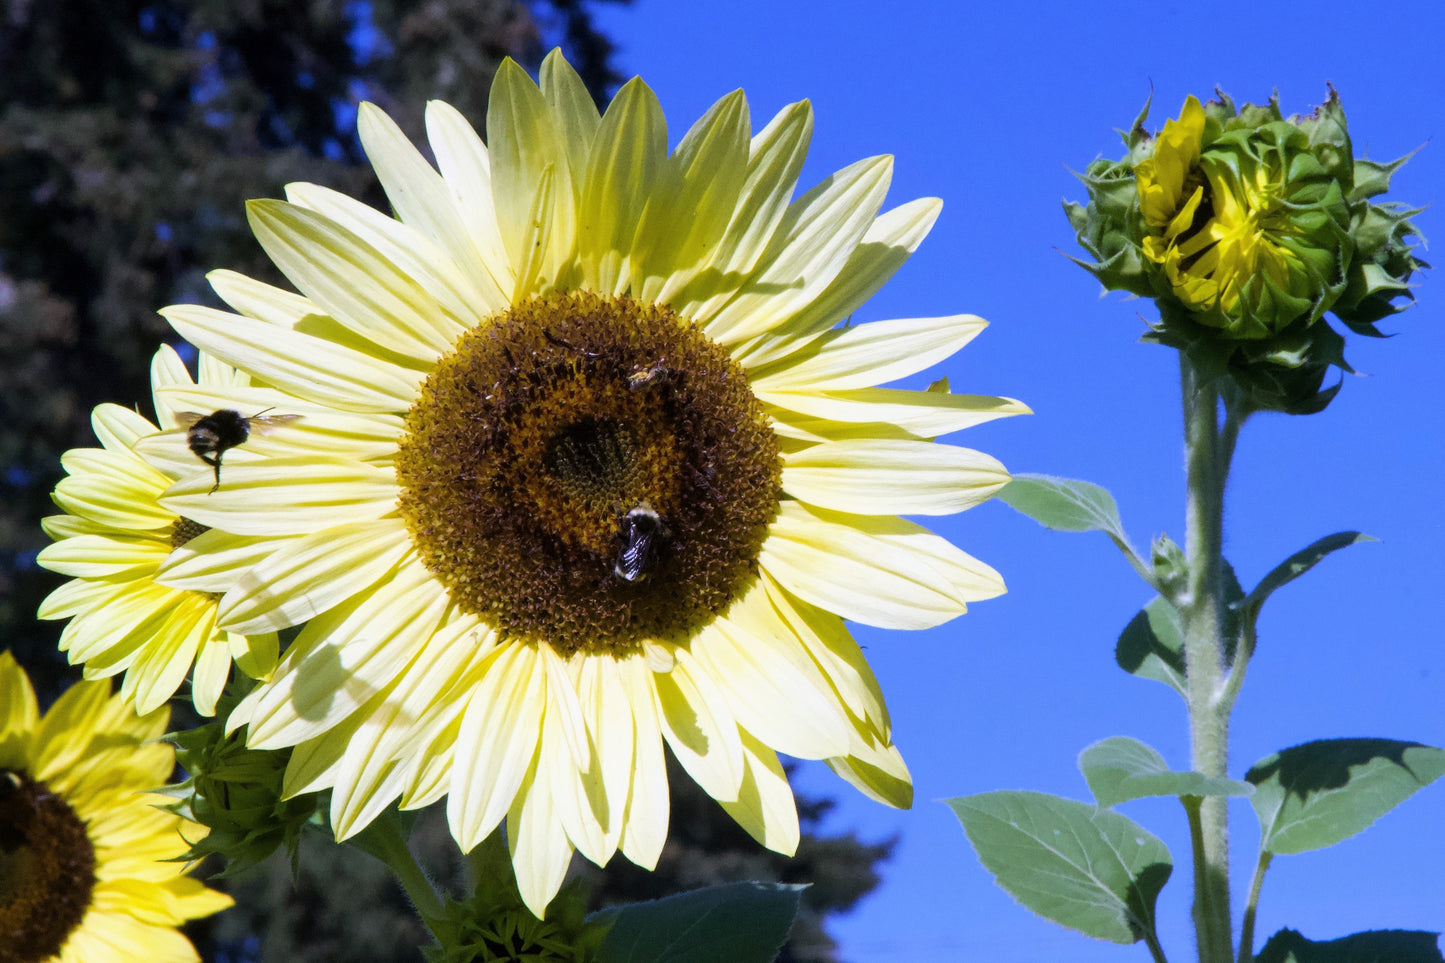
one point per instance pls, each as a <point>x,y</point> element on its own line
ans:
<point>746,922</point>
<point>1315,795</point>
<point>1376,946</point>
<point>1064,504</point>
<point>1152,646</point>
<point>1119,769</point>
<point>1088,868</point>
<point>1301,562</point>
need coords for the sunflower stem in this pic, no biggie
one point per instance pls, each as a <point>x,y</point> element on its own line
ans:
<point>383,839</point>
<point>1206,454</point>
<point>1246,931</point>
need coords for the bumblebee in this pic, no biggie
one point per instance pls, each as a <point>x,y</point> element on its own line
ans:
<point>643,534</point>
<point>211,436</point>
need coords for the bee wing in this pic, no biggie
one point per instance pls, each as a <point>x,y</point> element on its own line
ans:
<point>265,424</point>
<point>185,419</point>
<point>632,561</point>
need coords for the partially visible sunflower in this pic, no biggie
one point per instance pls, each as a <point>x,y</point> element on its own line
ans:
<point>115,540</point>
<point>639,478</point>
<point>87,870</point>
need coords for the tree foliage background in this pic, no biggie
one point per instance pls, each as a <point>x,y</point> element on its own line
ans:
<point>131,134</point>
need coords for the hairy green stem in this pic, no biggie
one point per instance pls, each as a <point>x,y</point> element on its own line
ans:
<point>1202,615</point>
<point>1241,659</point>
<point>1246,931</point>
<point>383,840</point>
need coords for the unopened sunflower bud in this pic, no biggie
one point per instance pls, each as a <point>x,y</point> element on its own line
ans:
<point>237,793</point>
<point>1167,562</point>
<point>1247,227</point>
<point>493,924</point>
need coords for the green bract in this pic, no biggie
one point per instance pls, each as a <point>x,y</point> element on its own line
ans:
<point>1247,227</point>
<point>238,794</point>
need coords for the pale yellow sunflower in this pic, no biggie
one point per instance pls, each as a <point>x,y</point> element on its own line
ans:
<point>639,480</point>
<point>114,542</point>
<point>87,870</point>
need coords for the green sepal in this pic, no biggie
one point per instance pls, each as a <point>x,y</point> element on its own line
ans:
<point>1315,795</point>
<point>1108,228</point>
<point>1119,769</point>
<point>236,792</point>
<point>1087,868</point>
<point>1372,178</point>
<point>742,922</point>
<point>1284,373</point>
<point>1385,261</point>
<point>1329,140</point>
<point>493,924</point>
<point>1375,946</point>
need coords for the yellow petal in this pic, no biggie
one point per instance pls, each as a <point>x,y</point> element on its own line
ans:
<point>765,806</point>
<point>879,477</point>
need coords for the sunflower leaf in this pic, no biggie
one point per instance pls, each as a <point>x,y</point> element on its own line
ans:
<point>1064,504</point>
<point>745,922</point>
<point>1070,505</point>
<point>1087,868</point>
<point>1119,769</point>
<point>1317,794</point>
<point>1397,946</point>
<point>1152,646</point>
<point>1301,562</point>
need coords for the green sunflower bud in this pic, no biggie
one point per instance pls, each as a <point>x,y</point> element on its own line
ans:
<point>494,924</point>
<point>1247,227</point>
<point>236,793</point>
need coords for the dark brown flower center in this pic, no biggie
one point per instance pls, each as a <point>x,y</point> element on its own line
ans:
<point>183,530</point>
<point>47,870</point>
<point>589,471</point>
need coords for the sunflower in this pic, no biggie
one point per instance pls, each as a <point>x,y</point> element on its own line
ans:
<point>87,857</point>
<point>116,540</point>
<point>639,478</point>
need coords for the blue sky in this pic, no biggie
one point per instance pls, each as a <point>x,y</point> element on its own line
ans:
<point>989,106</point>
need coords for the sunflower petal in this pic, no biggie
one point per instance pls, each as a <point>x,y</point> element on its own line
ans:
<point>308,366</point>
<point>864,355</point>
<point>818,233</point>
<point>497,743</point>
<point>881,477</point>
<point>765,806</point>
<point>354,282</point>
<point>629,155</point>
<point>875,570</point>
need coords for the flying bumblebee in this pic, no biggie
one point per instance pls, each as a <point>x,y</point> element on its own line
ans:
<point>211,436</point>
<point>643,534</point>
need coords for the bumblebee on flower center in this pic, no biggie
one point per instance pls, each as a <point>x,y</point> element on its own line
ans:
<point>593,472</point>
